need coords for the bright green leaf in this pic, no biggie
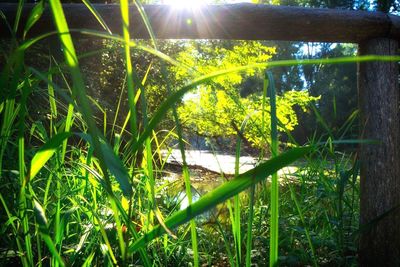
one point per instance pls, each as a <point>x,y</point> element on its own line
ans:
<point>45,153</point>
<point>116,168</point>
<point>34,16</point>
<point>40,215</point>
<point>113,163</point>
<point>97,15</point>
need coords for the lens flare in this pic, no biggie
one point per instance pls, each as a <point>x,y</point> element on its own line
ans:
<point>187,4</point>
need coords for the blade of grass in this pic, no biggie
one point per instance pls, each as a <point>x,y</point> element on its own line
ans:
<point>43,229</point>
<point>301,215</point>
<point>10,113</point>
<point>34,16</point>
<point>128,65</point>
<point>249,240</point>
<point>21,168</point>
<point>252,189</point>
<point>102,110</point>
<point>88,261</point>
<point>69,120</point>
<point>5,20</point>
<point>348,124</point>
<point>97,221</point>
<point>18,15</point>
<point>45,153</point>
<point>236,225</point>
<point>17,240</point>
<point>52,100</point>
<point>118,107</point>
<point>322,121</point>
<point>113,163</point>
<point>131,93</point>
<point>97,15</point>
<point>274,235</point>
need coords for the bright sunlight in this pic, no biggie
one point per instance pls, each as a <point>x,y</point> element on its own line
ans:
<point>186,3</point>
<point>193,4</point>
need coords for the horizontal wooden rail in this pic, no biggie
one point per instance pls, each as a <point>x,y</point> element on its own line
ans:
<point>235,21</point>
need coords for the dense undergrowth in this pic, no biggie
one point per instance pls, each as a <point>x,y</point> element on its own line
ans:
<point>79,190</point>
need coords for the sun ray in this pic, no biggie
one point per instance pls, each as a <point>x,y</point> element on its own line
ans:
<point>187,4</point>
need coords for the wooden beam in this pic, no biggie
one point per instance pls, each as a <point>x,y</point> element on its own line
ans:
<point>235,21</point>
<point>380,163</point>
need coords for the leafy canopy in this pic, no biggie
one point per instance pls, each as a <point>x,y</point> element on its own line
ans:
<point>218,109</point>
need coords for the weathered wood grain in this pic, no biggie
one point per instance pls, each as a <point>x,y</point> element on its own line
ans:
<point>235,21</point>
<point>380,163</point>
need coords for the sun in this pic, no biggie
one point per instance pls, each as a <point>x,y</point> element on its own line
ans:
<point>192,4</point>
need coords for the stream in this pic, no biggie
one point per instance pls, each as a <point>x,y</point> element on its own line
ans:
<point>205,168</point>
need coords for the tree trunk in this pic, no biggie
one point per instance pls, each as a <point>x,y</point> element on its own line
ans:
<point>380,177</point>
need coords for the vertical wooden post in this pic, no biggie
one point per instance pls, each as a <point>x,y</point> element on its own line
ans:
<point>378,91</point>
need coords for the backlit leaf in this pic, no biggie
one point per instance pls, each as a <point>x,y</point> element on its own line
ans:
<point>46,152</point>
<point>34,16</point>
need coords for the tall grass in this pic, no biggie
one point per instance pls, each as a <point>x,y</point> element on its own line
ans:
<point>73,194</point>
<point>274,239</point>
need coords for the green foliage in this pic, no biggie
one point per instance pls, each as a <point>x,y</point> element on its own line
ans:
<point>209,56</point>
<point>107,78</point>
<point>218,110</point>
<point>45,153</point>
<point>217,114</point>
